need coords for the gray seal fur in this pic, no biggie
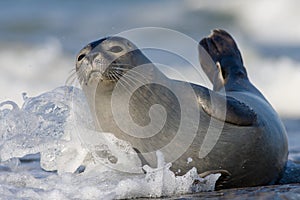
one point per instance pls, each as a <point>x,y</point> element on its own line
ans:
<point>251,149</point>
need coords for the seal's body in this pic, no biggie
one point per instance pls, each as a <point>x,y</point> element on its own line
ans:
<point>232,129</point>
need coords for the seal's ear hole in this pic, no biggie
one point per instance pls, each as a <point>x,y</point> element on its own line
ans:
<point>80,57</point>
<point>116,49</point>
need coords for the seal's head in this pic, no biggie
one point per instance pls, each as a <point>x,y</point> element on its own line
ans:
<point>107,59</point>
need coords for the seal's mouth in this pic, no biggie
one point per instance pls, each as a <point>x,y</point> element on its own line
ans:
<point>102,72</point>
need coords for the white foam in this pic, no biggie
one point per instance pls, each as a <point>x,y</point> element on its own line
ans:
<point>58,126</point>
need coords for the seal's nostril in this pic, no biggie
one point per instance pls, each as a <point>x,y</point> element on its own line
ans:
<point>80,57</point>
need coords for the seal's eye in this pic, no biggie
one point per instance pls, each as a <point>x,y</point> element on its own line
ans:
<point>80,57</point>
<point>116,49</point>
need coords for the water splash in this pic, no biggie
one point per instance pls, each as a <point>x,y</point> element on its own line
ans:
<point>49,149</point>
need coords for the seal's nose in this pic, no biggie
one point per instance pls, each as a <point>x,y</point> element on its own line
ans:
<point>90,57</point>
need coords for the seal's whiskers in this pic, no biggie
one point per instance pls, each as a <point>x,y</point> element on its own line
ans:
<point>142,82</point>
<point>131,71</point>
<point>81,75</point>
<point>122,80</point>
<point>71,79</point>
<point>125,85</point>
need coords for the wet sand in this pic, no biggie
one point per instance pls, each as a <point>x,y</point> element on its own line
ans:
<point>289,191</point>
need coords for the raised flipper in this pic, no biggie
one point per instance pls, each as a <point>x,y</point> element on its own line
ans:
<point>211,69</point>
<point>221,60</point>
<point>220,45</point>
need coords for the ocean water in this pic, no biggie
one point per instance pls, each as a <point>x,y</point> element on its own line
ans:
<point>39,41</point>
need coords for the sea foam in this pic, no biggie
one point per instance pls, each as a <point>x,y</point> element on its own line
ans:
<point>49,149</point>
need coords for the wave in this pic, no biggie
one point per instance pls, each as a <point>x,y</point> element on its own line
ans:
<point>266,21</point>
<point>32,69</point>
<point>40,68</point>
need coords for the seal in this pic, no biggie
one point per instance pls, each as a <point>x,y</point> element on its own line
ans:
<point>231,129</point>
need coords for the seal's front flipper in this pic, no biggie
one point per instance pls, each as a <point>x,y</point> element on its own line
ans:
<point>224,108</point>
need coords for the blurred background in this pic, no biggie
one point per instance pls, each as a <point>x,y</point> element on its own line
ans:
<point>40,39</point>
